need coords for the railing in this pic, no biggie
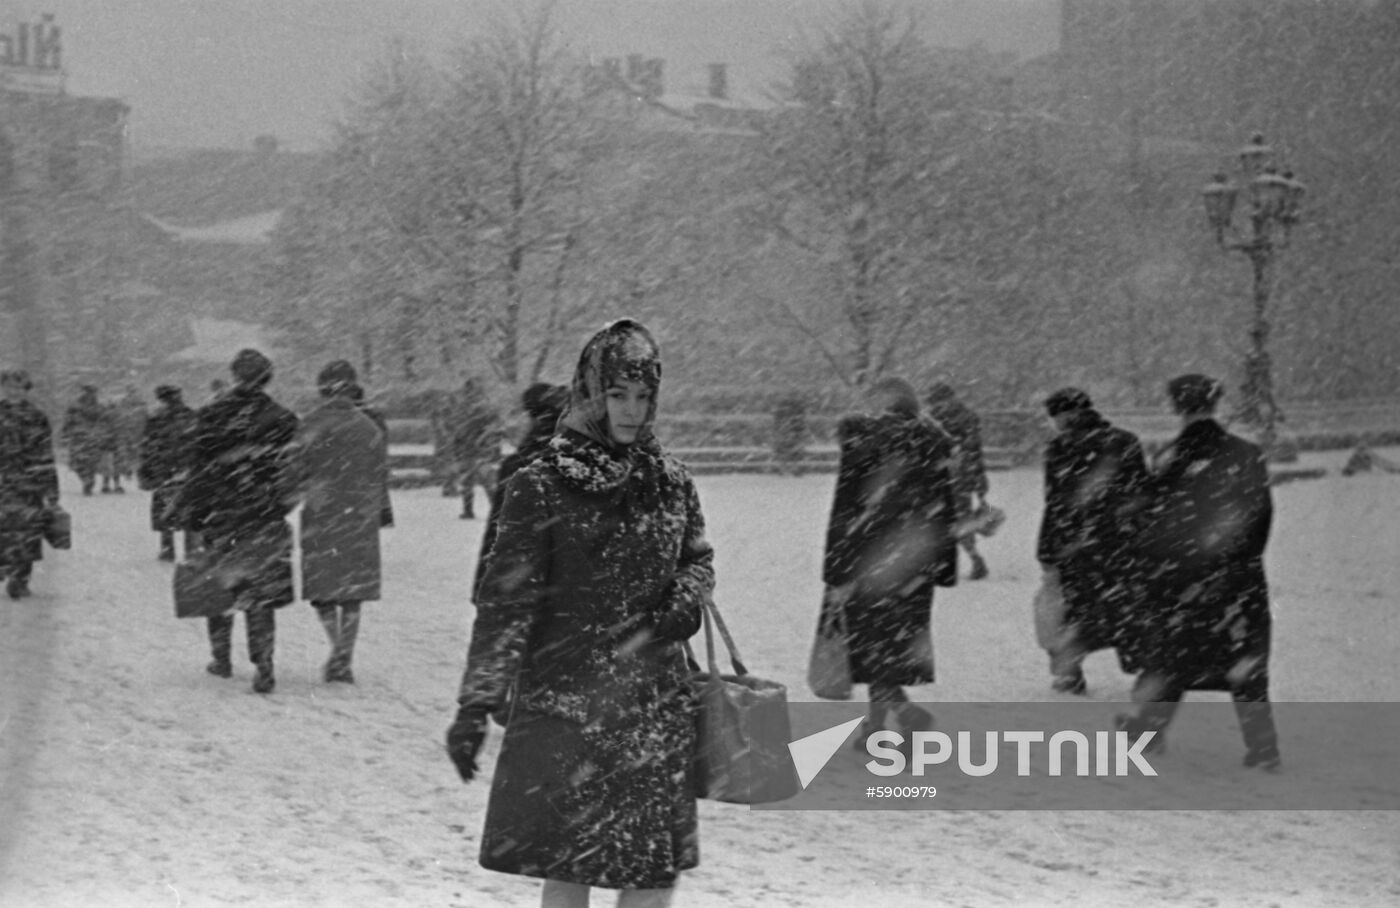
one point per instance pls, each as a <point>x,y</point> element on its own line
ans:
<point>741,442</point>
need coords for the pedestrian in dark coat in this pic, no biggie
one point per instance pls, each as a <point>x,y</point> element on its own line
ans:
<point>236,499</point>
<point>90,436</point>
<point>1095,474</point>
<point>28,481</point>
<point>1206,621</point>
<point>338,469</point>
<point>889,543</point>
<point>165,460</point>
<point>475,440</point>
<point>969,470</point>
<point>129,421</point>
<point>543,404</point>
<point>599,573</point>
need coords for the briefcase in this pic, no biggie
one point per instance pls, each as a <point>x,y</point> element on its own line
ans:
<point>58,528</point>
<point>197,587</point>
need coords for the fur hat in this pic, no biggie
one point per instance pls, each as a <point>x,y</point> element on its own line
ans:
<point>17,378</point>
<point>168,394</point>
<point>251,368</point>
<point>337,376</point>
<point>1194,393</point>
<point>1067,400</point>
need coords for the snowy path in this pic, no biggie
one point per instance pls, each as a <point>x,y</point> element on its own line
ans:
<point>132,778</point>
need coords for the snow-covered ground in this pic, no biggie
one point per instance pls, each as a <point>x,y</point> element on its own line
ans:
<point>133,778</point>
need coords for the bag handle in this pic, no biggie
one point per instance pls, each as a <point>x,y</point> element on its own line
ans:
<point>711,618</point>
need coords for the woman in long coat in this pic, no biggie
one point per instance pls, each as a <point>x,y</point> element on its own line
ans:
<point>28,481</point>
<point>1206,622</point>
<point>164,458</point>
<point>598,574</point>
<point>339,463</point>
<point>890,541</point>
<point>236,498</point>
<point>1094,478</point>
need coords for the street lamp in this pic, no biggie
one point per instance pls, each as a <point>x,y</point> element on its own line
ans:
<point>1274,200</point>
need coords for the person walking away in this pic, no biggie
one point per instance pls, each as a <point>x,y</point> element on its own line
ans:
<point>1205,528</point>
<point>164,459</point>
<point>338,465</point>
<point>969,470</point>
<point>236,499</point>
<point>356,392</point>
<point>28,481</point>
<point>599,573</point>
<point>543,404</point>
<point>129,422</point>
<point>889,543</point>
<point>476,440</point>
<point>89,435</point>
<point>1095,474</point>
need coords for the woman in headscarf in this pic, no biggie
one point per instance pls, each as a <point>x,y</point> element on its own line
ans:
<point>890,541</point>
<point>598,574</point>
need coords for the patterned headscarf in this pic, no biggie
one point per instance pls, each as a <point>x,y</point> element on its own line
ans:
<point>624,349</point>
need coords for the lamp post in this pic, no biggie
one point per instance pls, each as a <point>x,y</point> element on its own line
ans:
<point>1274,199</point>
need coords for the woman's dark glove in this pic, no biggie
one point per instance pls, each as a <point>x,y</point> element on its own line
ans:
<point>464,739</point>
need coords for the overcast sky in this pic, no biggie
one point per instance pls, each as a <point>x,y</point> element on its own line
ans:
<point>216,73</point>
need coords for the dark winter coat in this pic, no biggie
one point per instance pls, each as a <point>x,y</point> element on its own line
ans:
<point>890,541</point>
<point>541,431</point>
<point>1206,615</point>
<point>338,464</point>
<point>28,480</point>
<point>598,574</point>
<point>165,456</point>
<point>89,434</point>
<point>128,423</point>
<point>1095,475</point>
<point>965,429</point>
<point>236,494</point>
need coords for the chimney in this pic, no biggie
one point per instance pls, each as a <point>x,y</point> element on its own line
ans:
<point>719,81</point>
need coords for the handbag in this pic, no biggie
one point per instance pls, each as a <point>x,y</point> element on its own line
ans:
<point>197,588</point>
<point>742,729</point>
<point>58,528</point>
<point>829,668</point>
<point>984,521</point>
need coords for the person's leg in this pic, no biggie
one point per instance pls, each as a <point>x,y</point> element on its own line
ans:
<point>262,635</point>
<point>979,566</point>
<point>329,615</point>
<point>559,894</point>
<point>1158,695</point>
<point>167,546</point>
<point>645,898</point>
<point>345,648</point>
<point>467,481</point>
<point>220,644</point>
<point>1256,716</point>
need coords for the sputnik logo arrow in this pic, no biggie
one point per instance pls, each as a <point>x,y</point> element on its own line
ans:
<point>811,753</point>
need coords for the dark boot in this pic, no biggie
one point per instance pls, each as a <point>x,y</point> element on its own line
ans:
<point>262,634</point>
<point>220,645</point>
<point>344,652</point>
<point>979,568</point>
<point>263,681</point>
